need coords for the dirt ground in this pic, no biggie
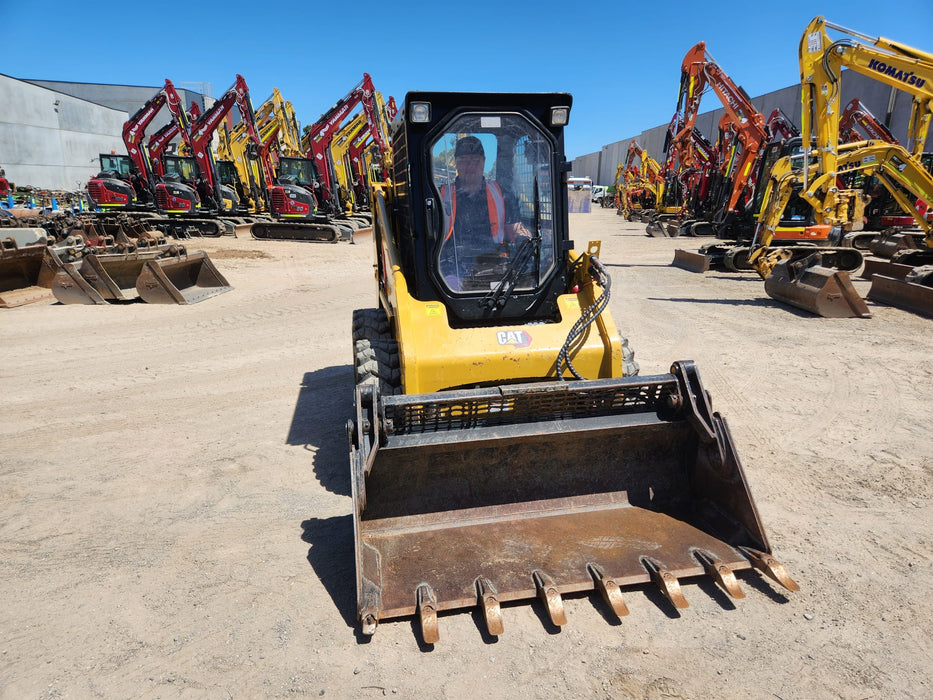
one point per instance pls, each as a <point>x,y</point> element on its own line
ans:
<point>174,491</point>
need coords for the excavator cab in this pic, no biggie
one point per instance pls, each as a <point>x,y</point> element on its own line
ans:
<point>503,447</point>
<point>176,193</point>
<point>112,188</point>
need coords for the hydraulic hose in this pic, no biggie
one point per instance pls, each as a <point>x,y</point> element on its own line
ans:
<point>587,317</point>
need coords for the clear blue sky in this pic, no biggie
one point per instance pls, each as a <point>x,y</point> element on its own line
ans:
<point>619,60</point>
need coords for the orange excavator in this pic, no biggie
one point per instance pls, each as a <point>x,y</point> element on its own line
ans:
<point>748,162</point>
<point>742,136</point>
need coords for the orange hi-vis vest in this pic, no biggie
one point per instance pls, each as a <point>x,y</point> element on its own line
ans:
<point>494,202</point>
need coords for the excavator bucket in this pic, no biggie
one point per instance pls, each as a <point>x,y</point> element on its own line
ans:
<point>823,291</point>
<point>656,229</point>
<point>483,496</point>
<point>26,273</point>
<point>694,262</point>
<point>101,278</point>
<point>184,279</point>
<point>876,266</point>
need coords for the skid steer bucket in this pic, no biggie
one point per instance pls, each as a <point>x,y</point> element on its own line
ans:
<point>823,291</point>
<point>25,274</point>
<point>185,279</point>
<point>479,497</point>
<point>694,262</point>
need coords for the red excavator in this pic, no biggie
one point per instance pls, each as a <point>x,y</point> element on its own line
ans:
<point>140,189</point>
<point>318,138</point>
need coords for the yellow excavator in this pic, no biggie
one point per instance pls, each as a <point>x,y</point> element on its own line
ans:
<point>503,446</point>
<point>806,283</point>
<point>344,174</point>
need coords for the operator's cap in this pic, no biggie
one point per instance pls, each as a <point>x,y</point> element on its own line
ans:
<point>469,146</point>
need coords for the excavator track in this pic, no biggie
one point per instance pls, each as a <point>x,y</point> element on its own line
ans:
<point>182,228</point>
<point>287,231</point>
<point>734,258</point>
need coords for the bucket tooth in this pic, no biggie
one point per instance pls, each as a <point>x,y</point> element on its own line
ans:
<point>427,613</point>
<point>547,591</point>
<point>488,598</point>
<point>370,606</point>
<point>667,582</point>
<point>771,567</point>
<point>721,573</point>
<point>609,589</point>
<point>368,625</point>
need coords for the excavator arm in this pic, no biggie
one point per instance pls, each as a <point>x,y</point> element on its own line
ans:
<point>698,72</point>
<point>779,126</point>
<point>134,129</point>
<point>160,140</point>
<point>319,136</point>
<point>203,129</point>
<point>855,116</point>
<point>892,63</point>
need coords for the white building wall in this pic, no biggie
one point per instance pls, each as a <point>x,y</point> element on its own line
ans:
<point>51,140</point>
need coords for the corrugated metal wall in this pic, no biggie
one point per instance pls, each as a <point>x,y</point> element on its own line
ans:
<point>890,106</point>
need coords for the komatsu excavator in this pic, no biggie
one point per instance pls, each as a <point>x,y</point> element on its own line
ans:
<point>807,283</point>
<point>503,446</point>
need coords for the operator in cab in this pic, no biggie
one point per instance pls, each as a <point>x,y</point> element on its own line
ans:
<point>481,218</point>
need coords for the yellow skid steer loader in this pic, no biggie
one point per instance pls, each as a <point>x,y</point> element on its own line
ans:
<point>504,447</point>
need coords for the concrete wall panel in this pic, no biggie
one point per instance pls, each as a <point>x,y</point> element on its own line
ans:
<point>52,140</point>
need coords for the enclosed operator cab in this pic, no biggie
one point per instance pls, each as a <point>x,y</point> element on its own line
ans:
<point>513,268</point>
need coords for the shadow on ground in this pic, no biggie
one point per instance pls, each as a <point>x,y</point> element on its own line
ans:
<point>325,403</point>
<point>332,557</point>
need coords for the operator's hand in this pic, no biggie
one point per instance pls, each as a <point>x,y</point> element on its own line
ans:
<point>518,230</point>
